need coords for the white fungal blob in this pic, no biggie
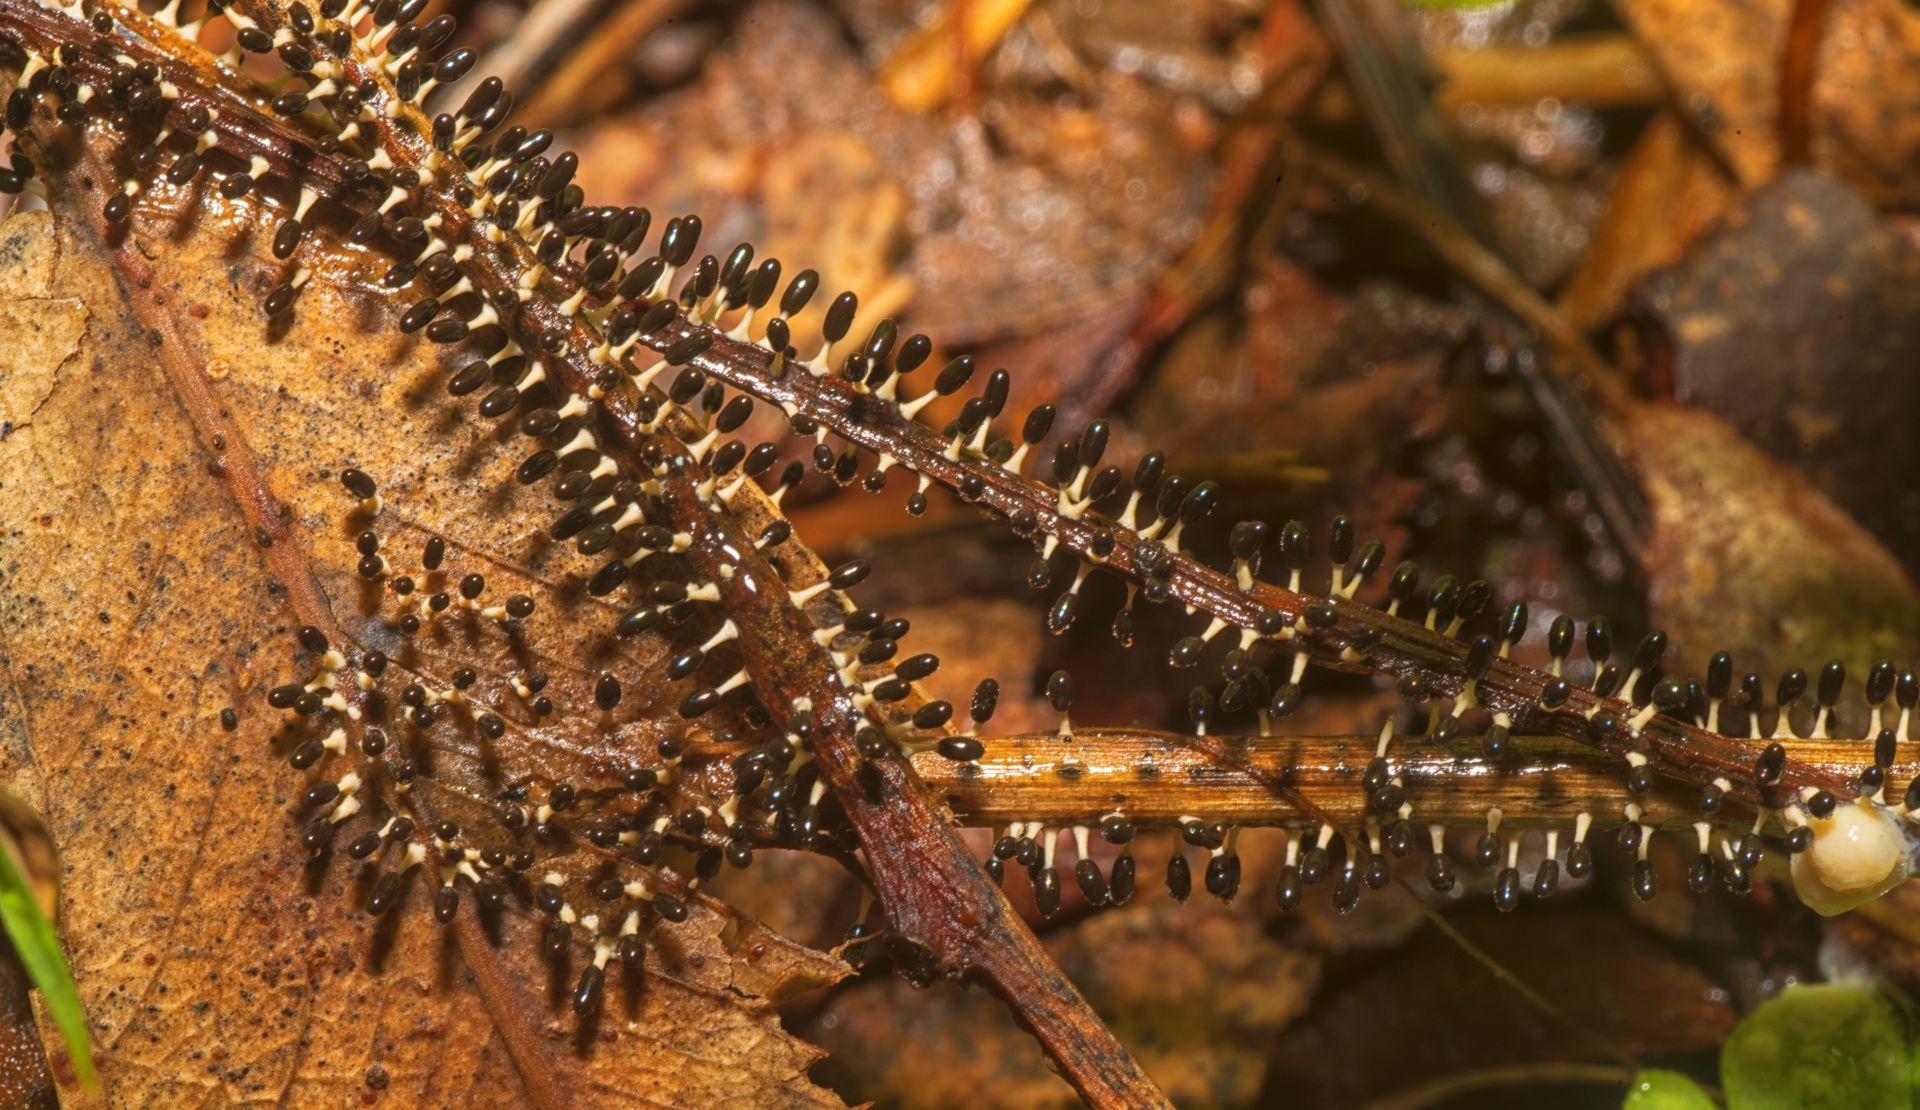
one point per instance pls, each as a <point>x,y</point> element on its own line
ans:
<point>1858,854</point>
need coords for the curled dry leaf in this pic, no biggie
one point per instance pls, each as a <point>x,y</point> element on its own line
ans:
<point>216,960</point>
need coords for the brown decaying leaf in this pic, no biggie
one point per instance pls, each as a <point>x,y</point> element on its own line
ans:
<point>1326,395</point>
<point>1722,60</point>
<point>1429,1009</point>
<point>1667,193</point>
<point>1030,217</point>
<point>216,962</point>
<point>1766,567</point>
<point>1198,991</point>
<point>1794,321</point>
<point>42,331</point>
<point>1347,380</point>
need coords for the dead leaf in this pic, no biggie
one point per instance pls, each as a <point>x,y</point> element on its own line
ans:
<point>1027,217</point>
<point>1198,990</point>
<point>42,331</point>
<point>216,962</point>
<point>1429,1009</point>
<point>1794,321</point>
<point>1667,193</point>
<point>1766,567</point>
<point>1722,60</point>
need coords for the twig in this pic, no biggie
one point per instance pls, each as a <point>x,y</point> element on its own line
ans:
<point>1799,58</point>
<point>1395,646</point>
<point>933,891</point>
<point>585,68</point>
<point>1434,1092</point>
<point>548,24</point>
<point>1604,70</point>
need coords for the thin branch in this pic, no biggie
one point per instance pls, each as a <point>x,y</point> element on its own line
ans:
<point>1392,646</point>
<point>1799,62</point>
<point>1447,1088</point>
<point>585,70</point>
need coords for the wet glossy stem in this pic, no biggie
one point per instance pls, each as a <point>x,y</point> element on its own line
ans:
<point>1798,67</point>
<point>1156,778</point>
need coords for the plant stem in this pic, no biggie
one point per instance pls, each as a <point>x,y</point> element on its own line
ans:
<point>1156,778</point>
<point>1799,63</point>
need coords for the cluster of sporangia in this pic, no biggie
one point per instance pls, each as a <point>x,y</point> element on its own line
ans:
<point>355,72</point>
